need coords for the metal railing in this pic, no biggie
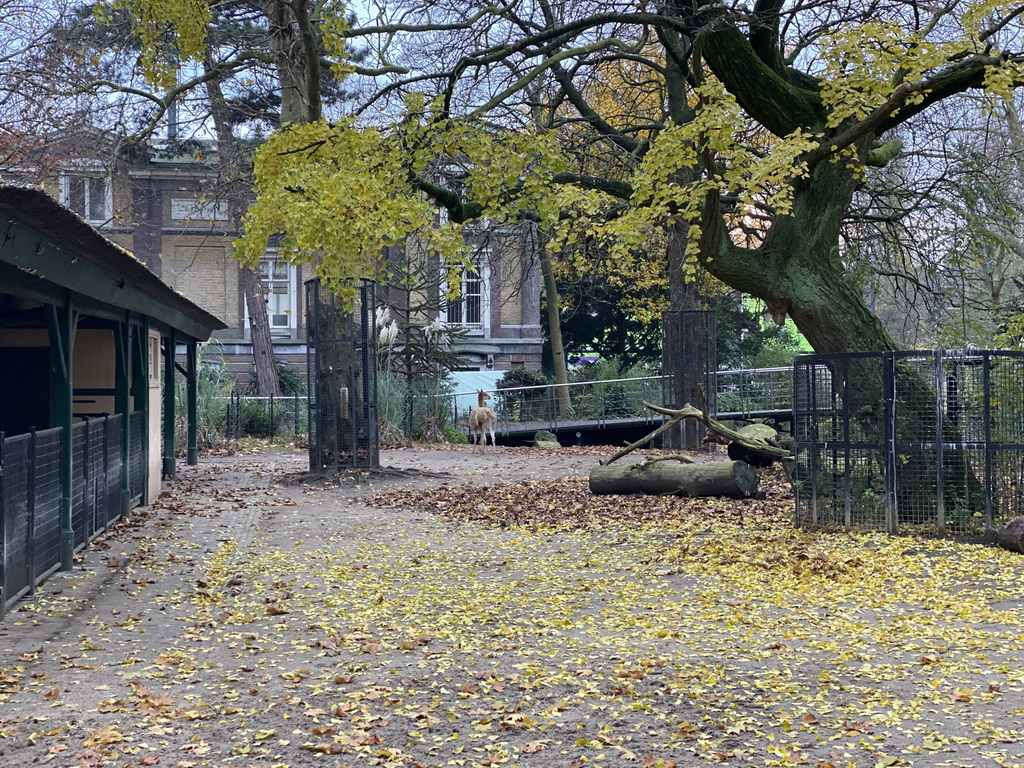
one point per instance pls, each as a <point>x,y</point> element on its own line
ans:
<point>749,392</point>
<point>754,390</point>
<point>266,416</point>
<point>557,406</point>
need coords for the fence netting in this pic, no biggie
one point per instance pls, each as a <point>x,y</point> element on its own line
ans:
<point>342,374</point>
<point>930,441</point>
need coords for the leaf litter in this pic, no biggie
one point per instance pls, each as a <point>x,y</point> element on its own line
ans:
<point>510,623</point>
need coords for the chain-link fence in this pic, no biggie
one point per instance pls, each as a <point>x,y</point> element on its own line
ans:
<point>932,441</point>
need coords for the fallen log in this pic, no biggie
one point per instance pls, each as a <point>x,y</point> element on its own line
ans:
<point>734,479</point>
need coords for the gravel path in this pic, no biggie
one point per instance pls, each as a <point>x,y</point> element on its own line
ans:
<point>249,620</point>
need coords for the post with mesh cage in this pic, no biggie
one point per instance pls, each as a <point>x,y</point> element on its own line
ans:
<point>689,362</point>
<point>342,367</point>
<point>929,442</point>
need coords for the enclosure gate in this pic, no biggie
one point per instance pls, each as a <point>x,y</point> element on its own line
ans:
<point>342,368</point>
<point>931,441</point>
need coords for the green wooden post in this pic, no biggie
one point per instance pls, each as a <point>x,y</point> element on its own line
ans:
<point>122,402</point>
<point>192,385</point>
<point>61,324</point>
<point>140,395</point>
<point>168,421</point>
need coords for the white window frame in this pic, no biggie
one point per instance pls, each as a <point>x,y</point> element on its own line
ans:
<point>481,260</point>
<point>292,292</point>
<point>108,201</point>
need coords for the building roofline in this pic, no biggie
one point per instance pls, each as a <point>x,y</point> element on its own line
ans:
<point>70,234</point>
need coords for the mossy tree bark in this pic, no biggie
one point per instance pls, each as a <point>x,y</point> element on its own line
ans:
<point>797,269</point>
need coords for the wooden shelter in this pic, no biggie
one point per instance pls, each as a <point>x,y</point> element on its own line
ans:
<point>88,336</point>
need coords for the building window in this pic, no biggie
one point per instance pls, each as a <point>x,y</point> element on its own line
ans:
<point>154,361</point>
<point>280,288</point>
<point>88,196</point>
<point>469,307</point>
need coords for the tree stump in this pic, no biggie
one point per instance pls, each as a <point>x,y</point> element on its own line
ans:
<point>734,479</point>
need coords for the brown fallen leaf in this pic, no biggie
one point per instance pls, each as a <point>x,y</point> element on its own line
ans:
<point>535,746</point>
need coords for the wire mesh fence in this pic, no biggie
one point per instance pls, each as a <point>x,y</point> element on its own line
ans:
<point>931,441</point>
<point>559,406</point>
<point>689,359</point>
<point>342,374</point>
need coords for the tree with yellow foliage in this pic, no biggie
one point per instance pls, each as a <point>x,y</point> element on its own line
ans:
<point>768,118</point>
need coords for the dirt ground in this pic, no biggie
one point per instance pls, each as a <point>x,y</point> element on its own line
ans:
<point>250,620</point>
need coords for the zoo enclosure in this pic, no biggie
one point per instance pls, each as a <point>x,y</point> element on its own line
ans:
<point>248,415</point>
<point>31,489</point>
<point>923,440</point>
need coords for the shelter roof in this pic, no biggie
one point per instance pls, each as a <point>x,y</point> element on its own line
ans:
<point>68,253</point>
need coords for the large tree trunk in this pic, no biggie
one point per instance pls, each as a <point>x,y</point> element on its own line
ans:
<point>733,479</point>
<point>554,329</point>
<point>296,58</point>
<point>797,271</point>
<point>231,178</point>
<point>267,381</point>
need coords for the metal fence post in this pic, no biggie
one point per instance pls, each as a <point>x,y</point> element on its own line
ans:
<point>30,539</point>
<point>89,507</point>
<point>847,457</point>
<point>986,377</point>
<point>3,534</point>
<point>940,475</point>
<point>891,460</point>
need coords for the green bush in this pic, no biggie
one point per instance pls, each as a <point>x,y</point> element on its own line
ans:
<point>454,435</point>
<point>432,408</point>
<point>773,355</point>
<point>214,385</point>
<point>430,399</point>
<point>524,406</point>
<point>612,400</point>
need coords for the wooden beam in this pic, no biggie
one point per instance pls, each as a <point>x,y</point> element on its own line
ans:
<point>61,325</point>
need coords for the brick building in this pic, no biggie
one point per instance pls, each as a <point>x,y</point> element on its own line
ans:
<point>161,204</point>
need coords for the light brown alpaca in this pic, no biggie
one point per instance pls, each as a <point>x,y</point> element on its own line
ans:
<point>481,421</point>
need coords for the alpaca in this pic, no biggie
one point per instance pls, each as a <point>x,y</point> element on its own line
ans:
<point>481,421</point>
